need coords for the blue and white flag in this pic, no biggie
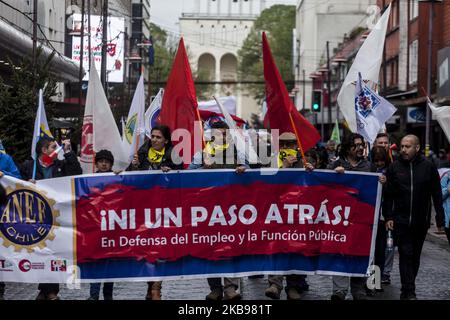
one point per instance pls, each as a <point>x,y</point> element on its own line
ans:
<point>41,128</point>
<point>372,111</point>
<point>152,113</point>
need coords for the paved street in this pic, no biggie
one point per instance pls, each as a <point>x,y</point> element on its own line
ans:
<point>433,283</point>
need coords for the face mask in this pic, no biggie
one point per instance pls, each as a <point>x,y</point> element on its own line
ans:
<point>48,160</point>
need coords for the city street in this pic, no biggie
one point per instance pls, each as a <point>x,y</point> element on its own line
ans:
<point>433,283</point>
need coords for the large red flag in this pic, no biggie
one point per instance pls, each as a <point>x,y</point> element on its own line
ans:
<point>179,105</point>
<point>281,112</point>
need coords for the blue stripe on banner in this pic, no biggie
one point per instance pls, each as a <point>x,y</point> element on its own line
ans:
<point>366,184</point>
<point>130,268</point>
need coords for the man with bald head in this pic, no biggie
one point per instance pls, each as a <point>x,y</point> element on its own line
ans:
<point>412,181</point>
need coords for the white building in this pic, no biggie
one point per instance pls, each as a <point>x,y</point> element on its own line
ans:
<point>214,33</point>
<point>316,23</point>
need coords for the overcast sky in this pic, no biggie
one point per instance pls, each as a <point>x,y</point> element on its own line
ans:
<point>166,12</point>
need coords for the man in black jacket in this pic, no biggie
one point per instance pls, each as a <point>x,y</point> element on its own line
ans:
<point>411,183</point>
<point>47,167</point>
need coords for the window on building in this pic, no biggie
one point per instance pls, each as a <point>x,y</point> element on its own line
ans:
<point>392,73</point>
<point>393,19</point>
<point>413,61</point>
<point>202,35</point>
<point>413,9</point>
<point>224,34</point>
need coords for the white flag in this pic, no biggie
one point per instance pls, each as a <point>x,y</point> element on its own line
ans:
<point>372,111</point>
<point>229,102</point>
<point>134,135</point>
<point>242,142</point>
<point>101,128</point>
<point>442,115</point>
<point>41,128</point>
<point>152,112</point>
<point>367,62</point>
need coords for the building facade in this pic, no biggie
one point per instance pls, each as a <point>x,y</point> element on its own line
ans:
<point>405,71</point>
<point>316,23</point>
<point>16,37</point>
<point>213,34</point>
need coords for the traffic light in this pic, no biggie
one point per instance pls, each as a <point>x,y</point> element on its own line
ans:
<point>317,101</point>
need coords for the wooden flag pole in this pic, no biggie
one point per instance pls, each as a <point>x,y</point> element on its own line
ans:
<point>298,138</point>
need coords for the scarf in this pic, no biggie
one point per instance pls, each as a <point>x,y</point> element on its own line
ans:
<point>283,154</point>
<point>155,156</point>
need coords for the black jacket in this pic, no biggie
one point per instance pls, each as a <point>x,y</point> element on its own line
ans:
<point>362,166</point>
<point>166,161</point>
<point>61,168</point>
<point>410,187</point>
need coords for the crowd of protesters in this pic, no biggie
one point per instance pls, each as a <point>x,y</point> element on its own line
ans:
<point>409,183</point>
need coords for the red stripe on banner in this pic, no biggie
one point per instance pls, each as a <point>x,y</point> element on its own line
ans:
<point>311,221</point>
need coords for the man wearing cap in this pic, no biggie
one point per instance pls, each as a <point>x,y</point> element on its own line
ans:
<point>288,157</point>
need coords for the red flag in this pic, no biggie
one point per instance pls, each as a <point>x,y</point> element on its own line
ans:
<point>281,112</point>
<point>179,105</point>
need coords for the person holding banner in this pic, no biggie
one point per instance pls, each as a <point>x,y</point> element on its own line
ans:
<point>156,154</point>
<point>351,158</point>
<point>9,168</point>
<point>104,161</point>
<point>289,157</point>
<point>46,166</point>
<point>218,154</point>
<point>411,183</point>
<point>445,185</point>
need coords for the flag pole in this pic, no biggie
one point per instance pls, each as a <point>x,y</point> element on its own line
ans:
<point>298,138</point>
<point>201,128</point>
<point>34,169</point>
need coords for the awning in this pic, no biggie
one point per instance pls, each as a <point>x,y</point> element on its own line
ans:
<point>16,44</point>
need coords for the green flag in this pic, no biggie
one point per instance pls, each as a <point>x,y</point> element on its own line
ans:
<point>335,136</point>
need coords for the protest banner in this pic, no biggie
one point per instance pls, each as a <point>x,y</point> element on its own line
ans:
<point>152,226</point>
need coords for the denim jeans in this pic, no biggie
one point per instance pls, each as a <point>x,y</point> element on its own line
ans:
<point>107,289</point>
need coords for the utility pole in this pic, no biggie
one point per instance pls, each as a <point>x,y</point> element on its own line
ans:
<point>104,45</point>
<point>35,8</point>
<point>80,73</point>
<point>322,117</point>
<point>304,89</point>
<point>430,51</point>
<point>329,85</point>
<point>89,33</point>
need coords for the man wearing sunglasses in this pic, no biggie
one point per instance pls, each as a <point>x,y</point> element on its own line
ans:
<point>351,158</point>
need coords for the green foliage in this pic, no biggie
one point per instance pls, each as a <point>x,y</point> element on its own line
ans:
<point>19,103</point>
<point>278,22</point>
<point>164,55</point>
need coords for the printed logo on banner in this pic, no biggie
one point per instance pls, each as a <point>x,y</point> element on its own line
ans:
<point>58,265</point>
<point>6,265</point>
<point>26,265</point>
<point>28,219</point>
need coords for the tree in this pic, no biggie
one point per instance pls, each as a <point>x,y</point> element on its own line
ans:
<point>278,22</point>
<point>19,103</point>
<point>164,54</point>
